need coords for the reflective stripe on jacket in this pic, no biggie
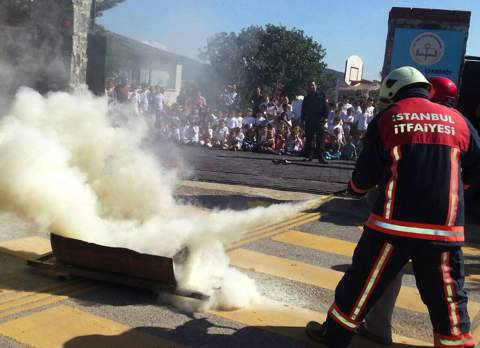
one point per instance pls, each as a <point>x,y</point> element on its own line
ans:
<point>418,153</point>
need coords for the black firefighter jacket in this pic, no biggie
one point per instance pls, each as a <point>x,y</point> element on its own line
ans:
<point>421,155</point>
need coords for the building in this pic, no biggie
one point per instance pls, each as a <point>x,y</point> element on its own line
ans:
<point>139,63</point>
<point>43,44</point>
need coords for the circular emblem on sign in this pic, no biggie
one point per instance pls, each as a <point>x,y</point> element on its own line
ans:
<point>427,49</point>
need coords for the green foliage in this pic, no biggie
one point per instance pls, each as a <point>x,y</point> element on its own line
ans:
<point>270,56</point>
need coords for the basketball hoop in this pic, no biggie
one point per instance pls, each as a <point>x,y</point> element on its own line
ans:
<point>353,70</point>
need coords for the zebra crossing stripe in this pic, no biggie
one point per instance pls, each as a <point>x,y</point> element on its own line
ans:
<point>346,248</point>
<point>288,320</point>
<point>62,326</point>
<point>409,297</point>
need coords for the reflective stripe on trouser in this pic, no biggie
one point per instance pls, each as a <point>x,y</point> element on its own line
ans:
<point>372,280</point>
<point>427,266</point>
<point>342,319</point>
<point>449,291</point>
<point>350,321</point>
<point>359,287</point>
<point>458,341</point>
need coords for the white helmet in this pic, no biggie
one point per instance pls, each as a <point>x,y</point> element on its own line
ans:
<point>399,78</point>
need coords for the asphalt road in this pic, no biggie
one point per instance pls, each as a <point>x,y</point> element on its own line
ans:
<point>258,170</point>
<point>295,264</point>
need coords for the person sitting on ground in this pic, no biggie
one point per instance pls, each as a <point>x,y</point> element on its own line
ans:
<point>268,140</point>
<point>349,150</point>
<point>281,136</point>
<point>176,132</point>
<point>261,135</point>
<point>250,140</point>
<point>294,142</point>
<point>284,119</point>
<point>207,136</point>
<point>220,135</point>
<point>194,133</point>
<point>333,153</point>
<point>236,139</point>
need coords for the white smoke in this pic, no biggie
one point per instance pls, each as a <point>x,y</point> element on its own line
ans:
<point>69,169</point>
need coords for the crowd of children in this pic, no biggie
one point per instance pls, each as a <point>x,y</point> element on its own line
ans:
<point>270,125</point>
<point>265,132</point>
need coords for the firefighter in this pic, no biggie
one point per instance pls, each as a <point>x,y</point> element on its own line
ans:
<point>444,91</point>
<point>377,326</point>
<point>418,153</point>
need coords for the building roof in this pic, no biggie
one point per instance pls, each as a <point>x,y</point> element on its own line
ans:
<point>147,51</point>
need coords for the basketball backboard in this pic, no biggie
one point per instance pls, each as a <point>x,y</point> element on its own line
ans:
<point>353,70</point>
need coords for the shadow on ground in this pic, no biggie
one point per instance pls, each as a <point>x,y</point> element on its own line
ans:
<point>234,202</point>
<point>18,276</point>
<point>198,333</point>
<point>343,211</point>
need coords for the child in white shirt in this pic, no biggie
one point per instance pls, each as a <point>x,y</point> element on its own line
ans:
<point>337,131</point>
<point>220,136</point>
<point>361,123</point>
<point>207,136</point>
<point>348,121</point>
<point>231,121</point>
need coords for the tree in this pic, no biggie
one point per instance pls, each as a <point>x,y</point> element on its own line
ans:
<point>103,5</point>
<point>270,56</point>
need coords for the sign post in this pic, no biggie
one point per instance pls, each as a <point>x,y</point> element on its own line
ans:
<point>433,41</point>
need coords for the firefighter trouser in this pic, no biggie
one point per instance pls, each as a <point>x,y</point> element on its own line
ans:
<point>377,260</point>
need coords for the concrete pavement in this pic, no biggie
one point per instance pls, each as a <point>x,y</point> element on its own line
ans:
<point>296,265</point>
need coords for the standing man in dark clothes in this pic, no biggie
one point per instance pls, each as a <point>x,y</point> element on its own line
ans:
<point>314,113</point>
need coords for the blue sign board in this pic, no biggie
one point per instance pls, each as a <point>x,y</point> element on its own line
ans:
<point>433,52</point>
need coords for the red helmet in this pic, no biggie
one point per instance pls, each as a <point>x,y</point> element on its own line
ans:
<point>444,91</point>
